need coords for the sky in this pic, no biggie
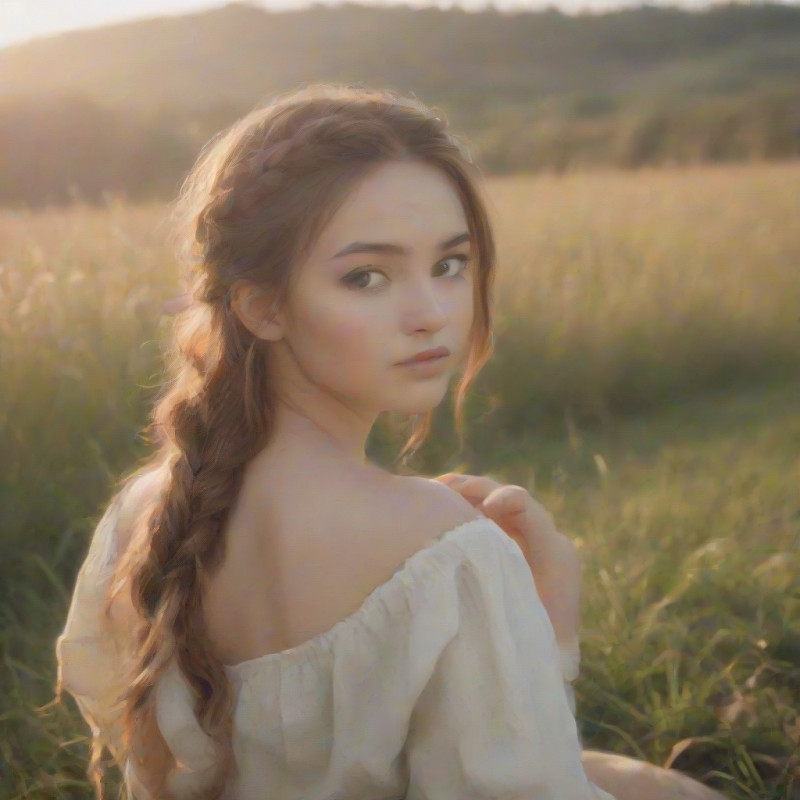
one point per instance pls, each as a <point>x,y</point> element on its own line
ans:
<point>21,20</point>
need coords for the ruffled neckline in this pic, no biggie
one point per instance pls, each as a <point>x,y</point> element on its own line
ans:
<point>322,640</point>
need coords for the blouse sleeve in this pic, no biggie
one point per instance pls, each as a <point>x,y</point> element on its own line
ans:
<point>90,656</point>
<point>495,718</point>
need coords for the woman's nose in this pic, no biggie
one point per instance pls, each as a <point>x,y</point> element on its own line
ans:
<point>424,308</point>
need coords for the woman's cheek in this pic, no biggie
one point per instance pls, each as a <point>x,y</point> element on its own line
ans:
<point>350,346</point>
<point>331,327</point>
<point>347,338</point>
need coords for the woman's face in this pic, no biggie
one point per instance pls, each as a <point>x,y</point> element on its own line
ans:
<point>389,276</point>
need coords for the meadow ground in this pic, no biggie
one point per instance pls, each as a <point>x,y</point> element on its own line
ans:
<point>644,388</point>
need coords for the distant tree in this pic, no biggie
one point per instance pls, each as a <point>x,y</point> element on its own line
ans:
<point>647,140</point>
<point>130,105</point>
<point>58,148</point>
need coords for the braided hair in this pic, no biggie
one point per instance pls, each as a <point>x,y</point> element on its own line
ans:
<point>251,207</point>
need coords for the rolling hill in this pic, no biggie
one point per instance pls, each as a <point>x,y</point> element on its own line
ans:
<point>532,90</point>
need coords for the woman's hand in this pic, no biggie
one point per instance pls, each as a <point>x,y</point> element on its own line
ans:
<point>551,556</point>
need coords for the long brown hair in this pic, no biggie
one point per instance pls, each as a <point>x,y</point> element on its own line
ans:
<point>251,207</point>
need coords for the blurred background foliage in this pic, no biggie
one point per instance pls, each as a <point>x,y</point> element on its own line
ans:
<point>645,382</point>
<point>644,388</point>
<point>125,108</point>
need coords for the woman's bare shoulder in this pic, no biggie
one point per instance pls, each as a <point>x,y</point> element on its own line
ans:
<point>429,508</point>
<point>387,522</point>
<point>364,498</point>
<point>333,537</point>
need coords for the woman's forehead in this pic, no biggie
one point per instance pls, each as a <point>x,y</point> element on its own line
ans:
<point>408,203</point>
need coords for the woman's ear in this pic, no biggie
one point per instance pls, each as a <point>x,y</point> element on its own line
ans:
<point>257,309</point>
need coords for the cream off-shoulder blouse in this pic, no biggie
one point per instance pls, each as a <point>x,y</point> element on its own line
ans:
<point>447,683</point>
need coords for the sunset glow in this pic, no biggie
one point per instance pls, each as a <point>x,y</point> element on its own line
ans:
<point>22,20</point>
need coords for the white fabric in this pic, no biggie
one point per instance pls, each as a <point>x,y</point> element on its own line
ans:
<point>446,684</point>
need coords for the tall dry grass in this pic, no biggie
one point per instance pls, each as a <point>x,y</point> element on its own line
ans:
<point>644,387</point>
<point>620,292</point>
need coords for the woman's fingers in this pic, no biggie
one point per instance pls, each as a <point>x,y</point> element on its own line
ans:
<point>508,502</point>
<point>477,486</point>
<point>448,477</point>
<point>513,505</point>
<point>509,499</point>
<point>551,556</point>
<point>473,488</point>
<point>497,501</point>
<point>453,479</point>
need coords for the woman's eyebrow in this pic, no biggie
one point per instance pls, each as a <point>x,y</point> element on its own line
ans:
<point>384,248</point>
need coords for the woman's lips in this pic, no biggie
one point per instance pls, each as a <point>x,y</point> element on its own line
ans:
<point>433,354</point>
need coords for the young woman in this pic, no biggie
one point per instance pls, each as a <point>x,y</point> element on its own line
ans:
<point>265,614</point>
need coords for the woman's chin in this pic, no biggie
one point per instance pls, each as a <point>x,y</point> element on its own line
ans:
<point>415,409</point>
<point>419,399</point>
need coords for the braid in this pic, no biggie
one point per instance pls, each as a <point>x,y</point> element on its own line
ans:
<point>212,434</point>
<point>255,201</point>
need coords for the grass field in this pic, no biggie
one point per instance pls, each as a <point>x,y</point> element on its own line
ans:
<point>645,388</point>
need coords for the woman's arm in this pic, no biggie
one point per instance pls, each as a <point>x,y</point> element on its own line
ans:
<point>551,556</point>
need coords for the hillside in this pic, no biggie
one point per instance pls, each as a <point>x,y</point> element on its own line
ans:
<point>532,89</point>
<point>238,54</point>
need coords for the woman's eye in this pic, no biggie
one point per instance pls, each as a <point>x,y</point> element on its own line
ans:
<point>460,259</point>
<point>360,279</point>
<point>356,279</point>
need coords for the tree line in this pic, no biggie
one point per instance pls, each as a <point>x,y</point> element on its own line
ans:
<point>125,109</point>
